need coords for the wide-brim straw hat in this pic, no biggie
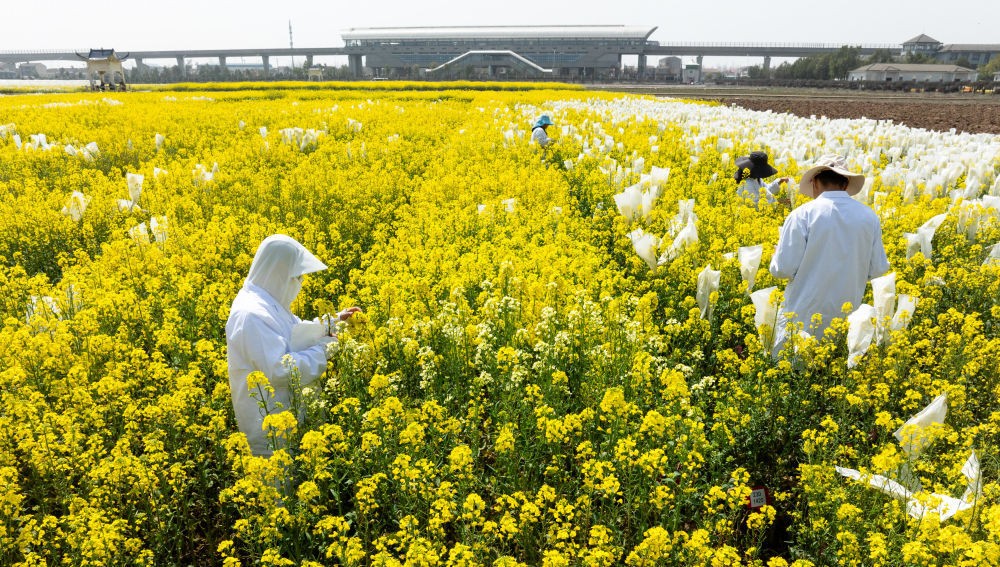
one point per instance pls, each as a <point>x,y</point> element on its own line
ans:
<point>836,164</point>
<point>756,162</point>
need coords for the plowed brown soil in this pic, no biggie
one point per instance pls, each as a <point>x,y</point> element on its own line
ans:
<point>981,114</point>
<point>965,112</point>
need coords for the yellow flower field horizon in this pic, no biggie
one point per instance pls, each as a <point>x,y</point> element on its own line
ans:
<point>536,379</point>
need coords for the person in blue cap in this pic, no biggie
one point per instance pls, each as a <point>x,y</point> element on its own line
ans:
<point>538,133</point>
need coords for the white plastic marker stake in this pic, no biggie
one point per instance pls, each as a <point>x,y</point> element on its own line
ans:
<point>860,333</point>
<point>766,314</point>
<point>749,257</point>
<point>645,246</point>
<point>708,282</point>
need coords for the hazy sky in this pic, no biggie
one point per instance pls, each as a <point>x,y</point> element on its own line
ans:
<point>209,24</point>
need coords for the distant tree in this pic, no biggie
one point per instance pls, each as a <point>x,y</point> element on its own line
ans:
<point>913,57</point>
<point>756,72</point>
<point>992,67</point>
<point>964,62</point>
<point>827,66</point>
<point>881,56</point>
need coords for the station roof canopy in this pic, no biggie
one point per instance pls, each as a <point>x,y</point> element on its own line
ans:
<point>499,32</point>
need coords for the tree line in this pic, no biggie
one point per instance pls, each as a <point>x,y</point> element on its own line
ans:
<point>837,65</point>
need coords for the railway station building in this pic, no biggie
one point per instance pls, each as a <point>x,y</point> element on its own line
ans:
<point>529,52</point>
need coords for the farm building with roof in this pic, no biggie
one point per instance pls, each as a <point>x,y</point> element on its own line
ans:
<point>911,72</point>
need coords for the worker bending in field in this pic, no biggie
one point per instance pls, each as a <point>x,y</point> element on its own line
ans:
<point>539,133</point>
<point>752,170</point>
<point>259,334</point>
<point>828,249</point>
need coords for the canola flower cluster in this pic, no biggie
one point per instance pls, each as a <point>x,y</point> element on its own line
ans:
<point>549,370</point>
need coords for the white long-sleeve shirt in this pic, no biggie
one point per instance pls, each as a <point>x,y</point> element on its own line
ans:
<point>257,336</point>
<point>539,136</point>
<point>829,249</point>
<point>750,189</point>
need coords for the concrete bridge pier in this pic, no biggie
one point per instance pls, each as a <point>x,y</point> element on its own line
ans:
<point>180,66</point>
<point>222,62</point>
<point>642,67</point>
<point>138,63</point>
<point>700,59</point>
<point>767,66</point>
<point>354,64</point>
<point>267,64</point>
<point>309,61</point>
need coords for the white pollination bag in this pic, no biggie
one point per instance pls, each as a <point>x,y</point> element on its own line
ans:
<point>766,315</point>
<point>905,308</point>
<point>749,257</point>
<point>134,181</point>
<point>920,241</point>
<point>860,332</point>
<point>659,175</point>
<point>884,299</point>
<point>708,282</point>
<point>916,434</point>
<point>645,246</point>
<point>993,259</point>
<point>76,206</point>
<point>634,202</point>
<point>686,237</point>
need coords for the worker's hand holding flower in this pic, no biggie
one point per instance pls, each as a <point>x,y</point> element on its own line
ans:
<point>348,313</point>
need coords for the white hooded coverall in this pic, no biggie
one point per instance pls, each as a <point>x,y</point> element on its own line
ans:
<point>259,330</point>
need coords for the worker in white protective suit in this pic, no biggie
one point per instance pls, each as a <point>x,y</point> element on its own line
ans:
<point>259,335</point>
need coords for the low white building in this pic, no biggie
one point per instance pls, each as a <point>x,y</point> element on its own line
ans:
<point>913,73</point>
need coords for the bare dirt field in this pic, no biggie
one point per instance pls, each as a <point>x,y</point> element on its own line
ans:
<point>968,112</point>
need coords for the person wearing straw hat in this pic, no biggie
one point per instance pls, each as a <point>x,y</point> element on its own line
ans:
<point>259,336</point>
<point>752,170</point>
<point>539,135</point>
<point>828,249</point>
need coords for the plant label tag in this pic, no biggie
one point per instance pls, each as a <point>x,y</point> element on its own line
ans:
<point>758,497</point>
